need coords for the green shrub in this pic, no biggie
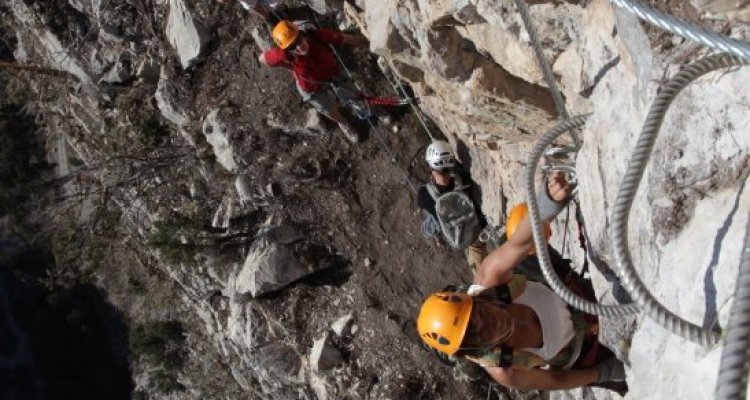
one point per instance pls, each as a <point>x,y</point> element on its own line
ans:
<point>165,238</point>
<point>162,345</point>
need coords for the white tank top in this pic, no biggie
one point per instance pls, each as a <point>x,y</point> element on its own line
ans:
<point>554,317</point>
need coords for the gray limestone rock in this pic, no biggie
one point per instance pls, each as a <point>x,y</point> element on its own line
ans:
<point>121,71</point>
<point>325,6</point>
<point>276,364</point>
<point>187,36</point>
<point>342,326</point>
<point>218,136</point>
<point>736,10</point>
<point>148,70</point>
<point>309,123</point>
<point>269,266</point>
<point>244,191</point>
<point>166,104</point>
<point>111,34</point>
<point>323,355</point>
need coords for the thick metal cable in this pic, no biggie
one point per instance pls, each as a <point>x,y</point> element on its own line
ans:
<point>734,367</point>
<point>543,62</point>
<point>621,210</point>
<point>546,68</point>
<point>686,30</point>
<point>536,226</point>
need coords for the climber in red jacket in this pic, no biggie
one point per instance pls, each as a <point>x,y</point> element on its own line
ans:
<point>312,62</point>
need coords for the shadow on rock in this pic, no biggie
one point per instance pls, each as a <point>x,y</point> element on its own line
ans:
<point>65,343</point>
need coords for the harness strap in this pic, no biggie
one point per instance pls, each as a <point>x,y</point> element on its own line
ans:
<point>506,356</point>
<point>581,350</point>
<point>432,189</point>
<point>502,292</point>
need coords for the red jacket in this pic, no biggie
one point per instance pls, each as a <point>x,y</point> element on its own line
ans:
<point>319,65</point>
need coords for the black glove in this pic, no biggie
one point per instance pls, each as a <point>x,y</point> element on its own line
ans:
<point>611,370</point>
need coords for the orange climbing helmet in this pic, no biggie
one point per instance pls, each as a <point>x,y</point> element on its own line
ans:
<point>515,217</point>
<point>285,34</point>
<point>443,320</point>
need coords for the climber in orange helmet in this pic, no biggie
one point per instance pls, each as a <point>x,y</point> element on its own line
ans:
<point>519,331</point>
<point>312,62</point>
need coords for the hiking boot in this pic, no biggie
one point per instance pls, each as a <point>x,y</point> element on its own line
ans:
<point>349,133</point>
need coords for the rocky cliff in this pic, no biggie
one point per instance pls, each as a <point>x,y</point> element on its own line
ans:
<point>686,228</point>
<point>294,260</point>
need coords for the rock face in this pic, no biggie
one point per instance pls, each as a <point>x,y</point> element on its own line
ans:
<point>731,9</point>
<point>52,49</point>
<point>218,136</point>
<point>468,60</point>
<point>686,227</point>
<point>323,355</point>
<point>270,266</point>
<point>187,36</point>
<point>276,199</point>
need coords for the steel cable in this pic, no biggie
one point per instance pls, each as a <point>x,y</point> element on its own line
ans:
<point>621,210</point>
<point>536,226</point>
<point>685,29</point>
<point>733,368</point>
<point>399,87</point>
<point>543,62</point>
<point>545,67</point>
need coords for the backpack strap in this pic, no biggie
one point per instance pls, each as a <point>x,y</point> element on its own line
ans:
<point>432,190</point>
<point>458,184</point>
<point>516,286</point>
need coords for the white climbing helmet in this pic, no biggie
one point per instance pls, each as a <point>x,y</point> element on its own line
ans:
<point>439,155</point>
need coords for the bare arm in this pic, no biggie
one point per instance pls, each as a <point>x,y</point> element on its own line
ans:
<point>542,379</point>
<point>497,267</point>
